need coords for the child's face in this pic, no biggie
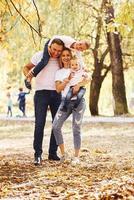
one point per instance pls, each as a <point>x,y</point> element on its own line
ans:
<point>80,46</point>
<point>75,65</point>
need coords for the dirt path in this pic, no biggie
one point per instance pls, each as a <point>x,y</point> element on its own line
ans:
<point>106,170</point>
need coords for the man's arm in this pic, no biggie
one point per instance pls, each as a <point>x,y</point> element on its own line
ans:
<point>27,68</point>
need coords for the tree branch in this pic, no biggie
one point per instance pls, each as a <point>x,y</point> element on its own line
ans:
<point>24,18</point>
<point>39,21</point>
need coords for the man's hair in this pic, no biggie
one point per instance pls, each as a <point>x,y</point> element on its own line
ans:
<point>58,41</point>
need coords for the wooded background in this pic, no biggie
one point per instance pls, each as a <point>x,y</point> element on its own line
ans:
<point>108,25</point>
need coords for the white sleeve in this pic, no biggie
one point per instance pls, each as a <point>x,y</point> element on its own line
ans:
<point>68,41</point>
<point>37,57</point>
<point>80,59</point>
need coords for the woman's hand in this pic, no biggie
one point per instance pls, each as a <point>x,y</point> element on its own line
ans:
<point>76,89</point>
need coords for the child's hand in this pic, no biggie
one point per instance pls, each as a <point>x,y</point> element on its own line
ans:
<point>71,75</point>
<point>75,89</point>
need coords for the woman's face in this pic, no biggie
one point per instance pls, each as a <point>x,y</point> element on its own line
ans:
<point>65,57</point>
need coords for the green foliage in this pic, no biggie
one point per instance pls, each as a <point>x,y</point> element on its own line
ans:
<point>125,19</point>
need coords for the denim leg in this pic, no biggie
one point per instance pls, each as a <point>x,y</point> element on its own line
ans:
<point>59,119</point>
<point>41,105</point>
<point>80,96</point>
<point>76,124</point>
<point>43,61</point>
<point>68,97</point>
<point>54,105</point>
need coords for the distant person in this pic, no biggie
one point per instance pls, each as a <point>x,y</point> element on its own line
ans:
<point>9,105</point>
<point>22,100</point>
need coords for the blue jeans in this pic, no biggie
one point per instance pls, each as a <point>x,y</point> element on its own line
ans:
<point>42,100</point>
<point>43,61</point>
<point>76,122</point>
<point>22,106</point>
<point>69,95</point>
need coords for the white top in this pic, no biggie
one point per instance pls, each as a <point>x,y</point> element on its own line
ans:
<point>45,80</point>
<point>78,77</point>
<point>63,73</point>
<point>68,41</point>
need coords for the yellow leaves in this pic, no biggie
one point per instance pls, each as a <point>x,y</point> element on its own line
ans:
<point>125,18</point>
<point>55,3</point>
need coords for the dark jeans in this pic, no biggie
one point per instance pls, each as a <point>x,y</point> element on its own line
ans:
<point>42,100</point>
<point>43,61</point>
<point>22,107</point>
<point>69,96</point>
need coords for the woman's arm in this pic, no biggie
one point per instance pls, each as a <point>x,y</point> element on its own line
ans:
<point>60,85</point>
<point>84,82</point>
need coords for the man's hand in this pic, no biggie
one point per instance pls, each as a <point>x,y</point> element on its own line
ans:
<point>30,75</point>
<point>27,68</point>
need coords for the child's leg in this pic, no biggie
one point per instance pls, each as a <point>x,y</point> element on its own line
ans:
<point>7,110</point>
<point>38,67</point>
<point>67,100</point>
<point>79,96</point>
<point>43,61</point>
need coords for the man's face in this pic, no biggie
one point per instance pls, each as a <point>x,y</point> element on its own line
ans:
<point>80,46</point>
<point>55,50</point>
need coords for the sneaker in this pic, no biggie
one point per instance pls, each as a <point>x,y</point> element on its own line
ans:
<point>27,84</point>
<point>75,161</point>
<point>38,160</point>
<point>63,158</point>
<point>53,157</point>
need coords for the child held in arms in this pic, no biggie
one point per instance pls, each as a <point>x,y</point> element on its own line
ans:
<point>76,75</point>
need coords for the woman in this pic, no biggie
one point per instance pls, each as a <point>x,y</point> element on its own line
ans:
<point>62,80</point>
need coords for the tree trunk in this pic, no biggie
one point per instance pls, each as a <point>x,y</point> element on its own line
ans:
<point>95,92</point>
<point>118,85</point>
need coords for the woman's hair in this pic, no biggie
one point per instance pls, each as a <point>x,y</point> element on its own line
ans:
<point>60,60</point>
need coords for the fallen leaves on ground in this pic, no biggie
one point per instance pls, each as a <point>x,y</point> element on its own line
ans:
<point>98,178</point>
<point>106,170</point>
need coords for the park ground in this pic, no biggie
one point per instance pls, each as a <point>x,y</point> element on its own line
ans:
<point>106,170</point>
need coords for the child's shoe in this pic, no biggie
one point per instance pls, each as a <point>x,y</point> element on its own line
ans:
<point>75,161</point>
<point>28,84</point>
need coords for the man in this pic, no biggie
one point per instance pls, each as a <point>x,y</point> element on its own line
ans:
<point>46,94</point>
